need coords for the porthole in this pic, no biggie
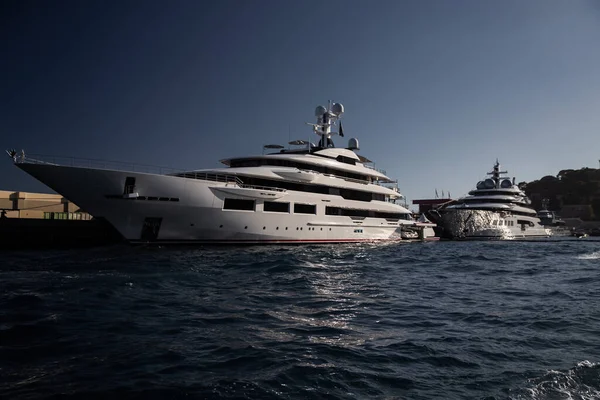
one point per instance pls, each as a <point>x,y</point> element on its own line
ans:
<point>264,227</point>
<point>220,226</point>
<point>277,228</point>
<point>245,227</point>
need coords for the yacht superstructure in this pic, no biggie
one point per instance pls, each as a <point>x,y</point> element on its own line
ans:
<point>309,194</point>
<point>496,209</point>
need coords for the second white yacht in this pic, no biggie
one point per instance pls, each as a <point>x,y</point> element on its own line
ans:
<point>496,209</point>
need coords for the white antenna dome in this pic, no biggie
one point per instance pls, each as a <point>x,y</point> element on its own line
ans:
<point>337,109</point>
<point>353,144</point>
<point>320,110</point>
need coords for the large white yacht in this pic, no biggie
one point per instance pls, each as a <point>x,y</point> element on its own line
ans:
<point>496,209</point>
<point>309,194</point>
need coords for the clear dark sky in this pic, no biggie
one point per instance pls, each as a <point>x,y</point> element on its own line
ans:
<point>434,90</point>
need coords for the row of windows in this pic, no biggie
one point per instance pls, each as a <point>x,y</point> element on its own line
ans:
<point>67,215</point>
<point>348,194</point>
<point>355,212</point>
<point>276,206</point>
<point>149,198</point>
<point>299,165</point>
<point>502,222</point>
<point>271,206</point>
<point>286,228</point>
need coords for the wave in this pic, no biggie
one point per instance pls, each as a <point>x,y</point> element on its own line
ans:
<point>591,256</point>
<point>579,383</point>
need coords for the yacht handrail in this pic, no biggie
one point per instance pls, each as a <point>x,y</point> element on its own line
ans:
<point>383,171</point>
<point>80,162</point>
<point>273,189</point>
<point>347,179</point>
<point>209,176</point>
<point>133,167</point>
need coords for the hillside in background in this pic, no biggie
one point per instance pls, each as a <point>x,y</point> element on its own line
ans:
<point>575,192</point>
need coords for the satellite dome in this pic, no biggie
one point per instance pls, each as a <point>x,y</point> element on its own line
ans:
<point>337,109</point>
<point>506,184</point>
<point>480,185</point>
<point>489,183</point>
<point>320,110</point>
<point>353,144</point>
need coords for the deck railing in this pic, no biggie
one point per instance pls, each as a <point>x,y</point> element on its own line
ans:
<point>133,167</point>
<point>94,163</point>
<point>272,189</point>
<point>376,169</point>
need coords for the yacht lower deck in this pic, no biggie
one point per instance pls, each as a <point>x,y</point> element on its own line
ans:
<point>491,225</point>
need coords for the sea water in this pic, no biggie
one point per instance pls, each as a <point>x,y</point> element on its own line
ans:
<point>446,320</point>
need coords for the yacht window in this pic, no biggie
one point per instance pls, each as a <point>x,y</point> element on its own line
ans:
<point>305,208</point>
<point>275,206</point>
<point>238,204</point>
<point>379,197</point>
<point>346,160</point>
<point>354,212</point>
<point>358,195</point>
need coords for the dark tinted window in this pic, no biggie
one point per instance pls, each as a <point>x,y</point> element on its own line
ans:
<point>275,206</point>
<point>305,208</point>
<point>355,212</point>
<point>238,204</point>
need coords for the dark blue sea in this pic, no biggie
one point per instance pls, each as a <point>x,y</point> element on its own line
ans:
<point>446,320</point>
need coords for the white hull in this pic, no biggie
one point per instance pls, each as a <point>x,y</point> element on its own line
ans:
<point>492,225</point>
<point>184,210</point>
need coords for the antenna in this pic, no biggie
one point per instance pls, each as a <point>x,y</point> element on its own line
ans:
<point>326,119</point>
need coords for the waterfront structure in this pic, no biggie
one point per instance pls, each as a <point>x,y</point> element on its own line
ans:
<point>38,206</point>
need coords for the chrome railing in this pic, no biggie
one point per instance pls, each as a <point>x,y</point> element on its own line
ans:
<point>93,163</point>
<point>133,167</point>
<point>209,176</point>
<point>272,189</point>
<point>376,169</point>
<point>363,182</point>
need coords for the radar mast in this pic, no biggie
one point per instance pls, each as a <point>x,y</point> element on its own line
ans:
<point>326,119</point>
